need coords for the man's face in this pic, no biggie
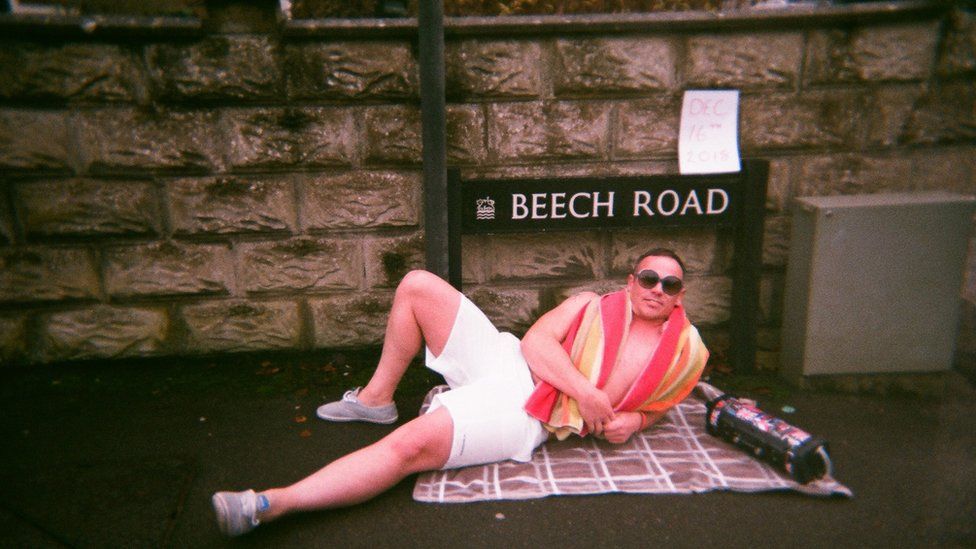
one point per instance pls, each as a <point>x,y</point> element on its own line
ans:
<point>653,303</point>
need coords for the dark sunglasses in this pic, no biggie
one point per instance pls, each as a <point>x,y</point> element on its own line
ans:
<point>670,285</point>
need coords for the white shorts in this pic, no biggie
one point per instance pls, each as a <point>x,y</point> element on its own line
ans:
<point>490,383</point>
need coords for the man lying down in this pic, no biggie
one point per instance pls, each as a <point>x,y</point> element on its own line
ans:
<point>604,366</point>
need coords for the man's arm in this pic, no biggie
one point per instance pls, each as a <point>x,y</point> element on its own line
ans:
<point>544,353</point>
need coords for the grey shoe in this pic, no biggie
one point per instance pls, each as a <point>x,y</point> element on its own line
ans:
<point>236,512</point>
<point>349,409</point>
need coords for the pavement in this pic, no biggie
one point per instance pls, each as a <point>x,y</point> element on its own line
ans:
<point>128,453</point>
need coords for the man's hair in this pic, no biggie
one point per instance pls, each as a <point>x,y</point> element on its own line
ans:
<point>661,252</point>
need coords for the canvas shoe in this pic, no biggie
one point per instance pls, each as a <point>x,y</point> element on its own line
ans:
<point>236,512</point>
<point>350,409</point>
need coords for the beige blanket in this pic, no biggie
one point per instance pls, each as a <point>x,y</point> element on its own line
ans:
<point>676,456</point>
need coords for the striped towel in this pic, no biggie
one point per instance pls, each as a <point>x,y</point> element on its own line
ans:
<point>593,342</point>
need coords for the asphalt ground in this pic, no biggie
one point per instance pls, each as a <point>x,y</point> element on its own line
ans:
<point>127,454</point>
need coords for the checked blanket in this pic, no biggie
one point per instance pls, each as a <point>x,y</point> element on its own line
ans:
<point>676,456</point>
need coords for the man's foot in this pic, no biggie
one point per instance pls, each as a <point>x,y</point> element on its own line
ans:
<point>236,512</point>
<point>350,409</point>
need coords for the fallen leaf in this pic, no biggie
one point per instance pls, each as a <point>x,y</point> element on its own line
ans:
<point>300,419</point>
<point>305,433</point>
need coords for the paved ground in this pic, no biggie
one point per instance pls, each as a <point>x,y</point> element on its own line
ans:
<point>128,454</point>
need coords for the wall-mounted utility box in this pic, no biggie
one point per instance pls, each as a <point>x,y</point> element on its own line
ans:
<point>873,283</point>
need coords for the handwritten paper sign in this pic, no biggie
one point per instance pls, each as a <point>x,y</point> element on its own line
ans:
<point>708,141</point>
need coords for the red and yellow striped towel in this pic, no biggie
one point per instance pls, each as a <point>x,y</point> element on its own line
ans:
<point>593,342</point>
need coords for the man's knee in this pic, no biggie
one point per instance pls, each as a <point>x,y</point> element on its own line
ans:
<point>417,278</point>
<point>423,444</point>
<point>423,284</point>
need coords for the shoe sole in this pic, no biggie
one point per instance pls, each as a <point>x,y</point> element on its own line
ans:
<point>220,509</point>
<point>352,419</point>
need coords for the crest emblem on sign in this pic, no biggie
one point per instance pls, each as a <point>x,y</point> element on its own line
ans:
<point>485,209</point>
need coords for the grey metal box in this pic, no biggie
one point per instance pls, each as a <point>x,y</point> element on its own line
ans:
<point>873,283</point>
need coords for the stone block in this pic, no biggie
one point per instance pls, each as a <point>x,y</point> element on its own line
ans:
<point>562,255</point>
<point>511,310</point>
<point>242,326</point>
<point>613,65</point>
<point>465,134</point>
<point>229,204</point>
<point>776,240</point>
<point>121,140</point>
<point>698,248</point>
<point>34,273</point>
<point>944,115</point>
<point>950,169</point>
<point>361,199</point>
<point>869,54</point>
<point>79,207</point>
<point>350,320</point>
<point>394,134</point>
<point>34,140</point>
<point>479,68</point>
<point>779,187</point>
<point>388,259</point>
<point>543,170</point>
<point>600,287</point>
<point>708,300</point>
<point>647,128</point>
<point>958,56</point>
<point>282,138</point>
<point>745,61</point>
<point>555,130</point>
<point>301,264</point>
<point>69,72</point>
<point>352,70</point>
<point>814,119</point>
<point>892,107</point>
<point>852,174</point>
<point>103,332</point>
<point>13,339</point>
<point>216,67</point>
<point>168,268</point>
<point>474,261</point>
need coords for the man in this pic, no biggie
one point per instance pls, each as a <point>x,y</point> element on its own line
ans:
<point>607,366</point>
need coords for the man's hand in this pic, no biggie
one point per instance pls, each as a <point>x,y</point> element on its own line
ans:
<point>622,426</point>
<point>596,409</point>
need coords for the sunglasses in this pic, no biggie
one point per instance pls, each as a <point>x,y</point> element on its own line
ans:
<point>670,285</point>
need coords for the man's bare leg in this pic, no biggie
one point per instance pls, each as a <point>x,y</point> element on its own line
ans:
<point>422,444</point>
<point>424,309</point>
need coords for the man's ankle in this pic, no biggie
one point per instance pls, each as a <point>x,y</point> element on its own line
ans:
<point>371,400</point>
<point>266,510</point>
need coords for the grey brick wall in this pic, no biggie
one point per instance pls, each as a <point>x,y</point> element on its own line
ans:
<point>248,189</point>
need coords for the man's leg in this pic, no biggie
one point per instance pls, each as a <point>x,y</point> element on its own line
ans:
<point>424,309</point>
<point>422,444</point>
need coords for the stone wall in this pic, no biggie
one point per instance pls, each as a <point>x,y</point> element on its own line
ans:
<point>249,187</point>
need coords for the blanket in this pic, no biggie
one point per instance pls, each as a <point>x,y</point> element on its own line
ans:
<point>676,456</point>
<point>595,337</point>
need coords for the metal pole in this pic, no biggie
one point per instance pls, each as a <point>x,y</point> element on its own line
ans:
<point>747,266</point>
<point>433,131</point>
